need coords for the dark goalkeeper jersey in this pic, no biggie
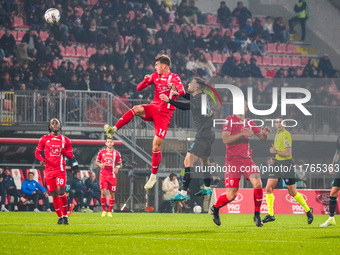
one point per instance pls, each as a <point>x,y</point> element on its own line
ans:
<point>203,123</point>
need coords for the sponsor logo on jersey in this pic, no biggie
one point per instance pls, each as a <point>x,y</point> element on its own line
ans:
<point>56,139</point>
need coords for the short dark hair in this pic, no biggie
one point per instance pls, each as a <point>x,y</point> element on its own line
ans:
<point>172,176</point>
<point>164,59</point>
<point>199,80</point>
<point>30,173</point>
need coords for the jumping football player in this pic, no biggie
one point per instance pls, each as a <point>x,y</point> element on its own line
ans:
<point>282,147</point>
<point>158,111</point>
<point>56,147</point>
<point>237,130</point>
<point>336,186</point>
<point>205,137</point>
<point>109,161</point>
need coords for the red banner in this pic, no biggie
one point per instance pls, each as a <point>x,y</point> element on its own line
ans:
<point>283,204</point>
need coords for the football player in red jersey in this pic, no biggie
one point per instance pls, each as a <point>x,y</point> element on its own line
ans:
<point>109,161</point>
<point>237,131</point>
<point>158,111</point>
<point>56,147</point>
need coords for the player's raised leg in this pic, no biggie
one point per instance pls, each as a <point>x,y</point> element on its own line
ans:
<point>223,200</point>
<point>156,160</point>
<point>332,205</point>
<point>137,110</point>
<point>255,179</point>
<point>271,183</point>
<point>299,198</point>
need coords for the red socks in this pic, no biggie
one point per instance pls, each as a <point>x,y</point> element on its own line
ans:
<point>125,119</point>
<point>222,201</point>
<point>63,204</point>
<point>103,203</point>
<point>111,203</point>
<point>156,160</point>
<point>57,206</point>
<point>258,194</point>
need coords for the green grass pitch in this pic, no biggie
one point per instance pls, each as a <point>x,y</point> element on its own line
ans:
<point>152,233</point>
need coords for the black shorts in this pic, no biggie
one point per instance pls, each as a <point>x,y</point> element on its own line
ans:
<point>286,171</point>
<point>336,182</point>
<point>201,147</point>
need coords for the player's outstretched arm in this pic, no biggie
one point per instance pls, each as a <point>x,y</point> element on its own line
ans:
<point>264,133</point>
<point>146,82</point>
<point>179,105</point>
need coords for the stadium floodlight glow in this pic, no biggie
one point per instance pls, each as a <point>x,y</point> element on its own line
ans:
<point>238,100</point>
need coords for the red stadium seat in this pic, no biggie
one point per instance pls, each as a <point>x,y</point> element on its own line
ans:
<point>2,32</point>
<point>80,10</point>
<point>127,38</point>
<point>296,62</point>
<point>90,51</point>
<point>234,22</point>
<point>264,72</point>
<point>217,58</point>
<point>286,61</point>
<point>207,56</point>
<point>233,31</point>
<point>55,63</point>
<point>70,51</point>
<point>247,58</point>
<point>20,35</point>
<point>18,22</point>
<point>43,35</point>
<point>281,48</point>
<point>271,48</point>
<point>205,31</point>
<point>14,33</point>
<point>277,61</point>
<point>299,72</point>
<point>18,177</point>
<point>62,49</point>
<point>197,30</point>
<point>304,61</point>
<point>81,52</point>
<point>258,60</point>
<point>84,173</point>
<point>267,60</point>
<point>291,49</point>
<point>225,56</point>
<point>223,30</point>
<point>83,63</point>
<point>37,175</point>
<point>211,20</point>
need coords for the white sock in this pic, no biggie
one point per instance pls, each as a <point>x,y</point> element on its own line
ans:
<point>15,207</point>
<point>153,176</point>
<point>3,207</point>
<point>22,199</point>
<point>331,218</point>
<point>205,187</point>
<point>183,192</point>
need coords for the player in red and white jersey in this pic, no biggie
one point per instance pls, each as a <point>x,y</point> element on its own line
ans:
<point>56,147</point>
<point>237,130</point>
<point>159,112</point>
<point>109,161</point>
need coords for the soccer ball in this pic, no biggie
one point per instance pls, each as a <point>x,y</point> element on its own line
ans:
<point>197,209</point>
<point>52,16</point>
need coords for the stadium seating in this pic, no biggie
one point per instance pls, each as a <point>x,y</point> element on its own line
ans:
<point>217,58</point>
<point>286,61</point>
<point>267,61</point>
<point>271,48</point>
<point>70,51</point>
<point>277,61</point>
<point>90,51</point>
<point>20,35</point>
<point>81,52</point>
<point>18,177</point>
<point>18,22</point>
